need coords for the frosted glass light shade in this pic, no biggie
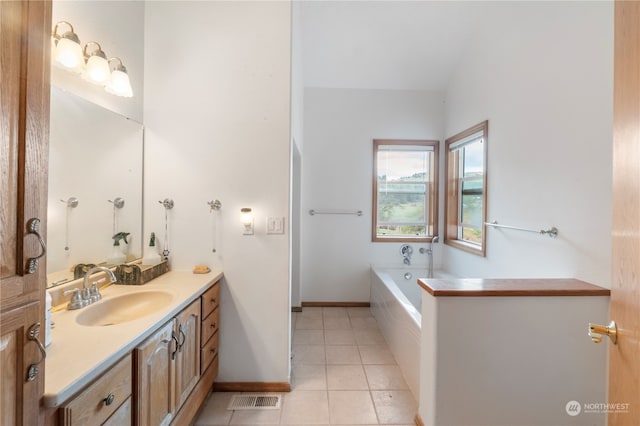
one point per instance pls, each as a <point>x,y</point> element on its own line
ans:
<point>97,70</point>
<point>119,84</point>
<point>68,54</point>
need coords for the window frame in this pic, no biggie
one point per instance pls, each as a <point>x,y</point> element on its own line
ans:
<point>433,187</point>
<point>453,191</point>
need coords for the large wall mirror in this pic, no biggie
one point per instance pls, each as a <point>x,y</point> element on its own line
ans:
<point>95,185</point>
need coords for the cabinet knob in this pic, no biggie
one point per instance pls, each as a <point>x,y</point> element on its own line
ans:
<point>213,300</point>
<point>214,325</point>
<point>109,399</point>
<point>213,350</point>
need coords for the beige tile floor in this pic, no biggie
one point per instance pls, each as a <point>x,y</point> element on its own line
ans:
<point>342,374</point>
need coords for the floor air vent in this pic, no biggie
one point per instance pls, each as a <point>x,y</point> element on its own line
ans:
<point>254,402</point>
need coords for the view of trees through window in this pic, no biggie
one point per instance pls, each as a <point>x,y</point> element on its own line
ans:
<point>471,183</point>
<point>404,182</point>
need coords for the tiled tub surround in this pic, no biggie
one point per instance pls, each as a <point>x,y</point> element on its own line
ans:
<point>343,374</point>
<point>511,352</point>
<point>78,354</point>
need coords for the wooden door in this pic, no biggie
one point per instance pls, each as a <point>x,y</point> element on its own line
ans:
<point>188,356</point>
<point>624,374</point>
<point>155,377</point>
<point>25,28</point>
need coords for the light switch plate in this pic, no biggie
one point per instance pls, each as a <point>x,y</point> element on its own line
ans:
<point>275,225</point>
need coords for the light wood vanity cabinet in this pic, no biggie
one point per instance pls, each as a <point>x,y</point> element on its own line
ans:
<point>164,380</point>
<point>168,367</point>
<point>154,369</point>
<point>188,355</point>
<point>100,403</point>
<point>210,325</point>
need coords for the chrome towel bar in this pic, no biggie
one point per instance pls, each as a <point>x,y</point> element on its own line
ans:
<point>552,232</point>
<point>314,212</point>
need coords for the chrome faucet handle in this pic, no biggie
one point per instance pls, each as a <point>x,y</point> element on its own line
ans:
<point>86,296</point>
<point>95,293</point>
<point>76,301</point>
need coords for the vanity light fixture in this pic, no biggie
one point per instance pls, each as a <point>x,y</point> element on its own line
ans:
<point>97,70</point>
<point>67,52</point>
<point>92,64</point>
<point>246,217</point>
<point>119,84</point>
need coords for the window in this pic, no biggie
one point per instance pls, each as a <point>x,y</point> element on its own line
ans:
<point>466,189</point>
<point>405,190</point>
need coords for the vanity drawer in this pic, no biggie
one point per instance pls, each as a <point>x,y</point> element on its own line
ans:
<point>102,398</point>
<point>210,299</point>
<point>209,352</point>
<point>210,326</point>
<point>122,416</point>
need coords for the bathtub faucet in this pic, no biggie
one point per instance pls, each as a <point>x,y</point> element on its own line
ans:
<point>429,252</point>
<point>406,251</point>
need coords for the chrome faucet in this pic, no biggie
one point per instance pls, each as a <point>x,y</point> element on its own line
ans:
<point>93,294</point>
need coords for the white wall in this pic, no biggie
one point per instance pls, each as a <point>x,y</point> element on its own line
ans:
<point>498,361</point>
<point>542,74</point>
<point>339,128</point>
<point>297,123</point>
<point>119,28</point>
<point>217,106</point>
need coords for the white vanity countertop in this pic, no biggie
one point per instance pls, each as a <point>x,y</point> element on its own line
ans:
<point>78,354</point>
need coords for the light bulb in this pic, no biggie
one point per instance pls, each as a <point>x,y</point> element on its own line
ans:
<point>68,53</point>
<point>119,84</point>
<point>97,70</point>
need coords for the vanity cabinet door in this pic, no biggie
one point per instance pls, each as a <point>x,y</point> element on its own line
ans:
<point>155,360</point>
<point>24,134</point>
<point>188,356</point>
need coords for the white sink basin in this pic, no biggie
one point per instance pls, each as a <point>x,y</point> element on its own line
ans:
<point>120,309</point>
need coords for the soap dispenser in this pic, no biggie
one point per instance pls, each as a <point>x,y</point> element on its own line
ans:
<point>151,256</point>
<point>117,256</point>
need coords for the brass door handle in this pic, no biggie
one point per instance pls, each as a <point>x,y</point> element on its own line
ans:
<point>596,331</point>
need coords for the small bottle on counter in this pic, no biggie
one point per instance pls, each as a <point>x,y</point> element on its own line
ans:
<point>151,256</point>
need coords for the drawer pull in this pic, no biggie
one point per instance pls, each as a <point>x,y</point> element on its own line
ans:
<point>109,399</point>
<point>174,338</point>
<point>34,330</point>
<point>184,338</point>
<point>213,350</point>
<point>214,325</point>
<point>213,300</point>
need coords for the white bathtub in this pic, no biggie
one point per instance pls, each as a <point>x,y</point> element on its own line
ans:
<point>395,304</point>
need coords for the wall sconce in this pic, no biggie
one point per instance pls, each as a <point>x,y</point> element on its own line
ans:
<point>246,217</point>
<point>97,70</point>
<point>92,64</point>
<point>119,84</point>
<point>67,51</point>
